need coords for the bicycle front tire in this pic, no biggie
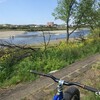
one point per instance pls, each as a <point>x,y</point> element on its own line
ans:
<point>72,93</point>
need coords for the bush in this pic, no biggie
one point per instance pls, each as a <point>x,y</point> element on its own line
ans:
<point>53,59</point>
<point>95,33</point>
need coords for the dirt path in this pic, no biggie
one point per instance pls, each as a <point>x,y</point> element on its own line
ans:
<point>43,86</point>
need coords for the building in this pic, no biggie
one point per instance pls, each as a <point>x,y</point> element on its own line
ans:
<point>50,24</point>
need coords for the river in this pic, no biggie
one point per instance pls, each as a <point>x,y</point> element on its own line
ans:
<point>37,37</point>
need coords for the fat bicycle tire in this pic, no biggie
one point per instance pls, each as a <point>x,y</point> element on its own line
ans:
<point>72,93</point>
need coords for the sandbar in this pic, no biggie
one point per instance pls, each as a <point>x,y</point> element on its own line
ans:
<point>7,34</point>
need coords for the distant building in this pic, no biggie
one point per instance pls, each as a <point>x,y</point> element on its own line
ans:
<point>50,23</point>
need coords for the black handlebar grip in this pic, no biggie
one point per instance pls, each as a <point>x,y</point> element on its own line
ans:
<point>90,88</point>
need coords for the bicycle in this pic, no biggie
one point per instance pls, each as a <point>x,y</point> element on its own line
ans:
<point>71,93</point>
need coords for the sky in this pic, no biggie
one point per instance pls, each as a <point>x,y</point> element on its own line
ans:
<point>27,12</point>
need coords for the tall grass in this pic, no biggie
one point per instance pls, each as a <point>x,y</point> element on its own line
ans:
<point>94,81</point>
<point>53,59</point>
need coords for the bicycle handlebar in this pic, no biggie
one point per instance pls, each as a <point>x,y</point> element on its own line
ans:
<point>46,75</point>
<point>67,83</point>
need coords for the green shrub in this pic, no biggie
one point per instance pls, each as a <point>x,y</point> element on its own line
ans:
<point>53,59</point>
<point>95,33</point>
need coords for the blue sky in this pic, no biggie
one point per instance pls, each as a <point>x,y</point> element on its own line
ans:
<point>27,11</point>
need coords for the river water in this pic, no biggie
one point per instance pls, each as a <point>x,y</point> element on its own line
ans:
<point>37,37</point>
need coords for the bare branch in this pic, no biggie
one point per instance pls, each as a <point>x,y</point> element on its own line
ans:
<point>48,39</point>
<point>10,45</point>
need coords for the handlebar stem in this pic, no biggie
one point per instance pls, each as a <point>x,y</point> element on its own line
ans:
<point>60,89</point>
<point>60,86</point>
<point>61,82</point>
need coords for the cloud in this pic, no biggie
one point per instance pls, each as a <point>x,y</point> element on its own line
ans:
<point>2,1</point>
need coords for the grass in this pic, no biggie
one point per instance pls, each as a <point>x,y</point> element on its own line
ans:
<point>53,58</point>
<point>93,81</point>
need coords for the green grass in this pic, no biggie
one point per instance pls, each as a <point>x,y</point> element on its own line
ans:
<point>95,82</point>
<point>91,96</point>
<point>54,58</point>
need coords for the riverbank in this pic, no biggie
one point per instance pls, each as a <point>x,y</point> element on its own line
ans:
<point>10,33</point>
<point>52,43</point>
<point>36,38</point>
<point>7,34</point>
<point>54,58</point>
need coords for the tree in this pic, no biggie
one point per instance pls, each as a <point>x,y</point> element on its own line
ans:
<point>78,12</point>
<point>91,13</point>
<point>66,11</point>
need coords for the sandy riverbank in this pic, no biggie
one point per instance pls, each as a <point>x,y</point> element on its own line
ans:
<point>7,34</point>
